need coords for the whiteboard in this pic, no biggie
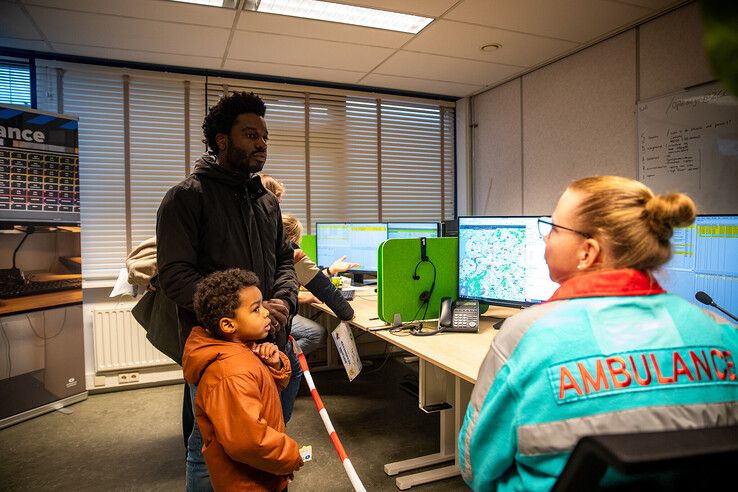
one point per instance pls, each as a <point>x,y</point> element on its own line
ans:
<point>688,142</point>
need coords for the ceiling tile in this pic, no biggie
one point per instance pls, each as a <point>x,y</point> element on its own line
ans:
<point>446,69</point>
<point>104,31</point>
<point>331,31</point>
<point>293,71</point>
<point>15,24</point>
<point>148,9</point>
<point>305,52</point>
<point>425,8</point>
<point>140,56</point>
<point>465,41</point>
<point>572,20</point>
<point>420,85</point>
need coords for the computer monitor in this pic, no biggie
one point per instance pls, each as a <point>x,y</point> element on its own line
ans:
<point>705,257</point>
<point>358,241</point>
<point>450,228</point>
<point>405,230</point>
<point>501,261</point>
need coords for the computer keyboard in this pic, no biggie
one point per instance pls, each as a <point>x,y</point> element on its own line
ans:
<point>348,294</point>
<point>8,291</point>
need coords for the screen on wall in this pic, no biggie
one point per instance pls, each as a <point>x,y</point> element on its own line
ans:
<point>39,167</point>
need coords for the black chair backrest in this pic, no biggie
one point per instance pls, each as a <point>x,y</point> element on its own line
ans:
<point>693,459</point>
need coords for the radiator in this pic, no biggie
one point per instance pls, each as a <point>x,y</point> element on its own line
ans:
<point>120,342</point>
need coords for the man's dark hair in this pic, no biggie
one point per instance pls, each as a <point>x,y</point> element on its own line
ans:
<point>217,296</point>
<point>222,116</point>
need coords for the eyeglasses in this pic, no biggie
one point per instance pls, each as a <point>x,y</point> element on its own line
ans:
<point>545,226</point>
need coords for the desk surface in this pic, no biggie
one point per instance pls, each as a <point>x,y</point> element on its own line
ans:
<point>37,302</point>
<point>458,353</point>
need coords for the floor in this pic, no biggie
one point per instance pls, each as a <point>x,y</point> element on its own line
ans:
<point>132,440</point>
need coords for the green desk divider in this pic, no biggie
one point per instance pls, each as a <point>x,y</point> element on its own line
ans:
<point>398,292</point>
<point>309,246</point>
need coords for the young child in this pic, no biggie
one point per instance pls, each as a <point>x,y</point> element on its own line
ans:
<point>238,382</point>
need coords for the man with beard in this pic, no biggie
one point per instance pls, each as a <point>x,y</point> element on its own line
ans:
<point>221,217</point>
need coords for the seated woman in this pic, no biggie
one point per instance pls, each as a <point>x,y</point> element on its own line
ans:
<point>610,352</point>
<point>307,333</point>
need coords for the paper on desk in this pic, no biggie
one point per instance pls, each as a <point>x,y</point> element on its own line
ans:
<point>344,339</point>
<point>122,287</point>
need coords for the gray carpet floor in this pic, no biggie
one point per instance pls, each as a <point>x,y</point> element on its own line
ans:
<point>132,440</point>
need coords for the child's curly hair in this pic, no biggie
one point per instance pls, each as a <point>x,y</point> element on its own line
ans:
<point>218,296</point>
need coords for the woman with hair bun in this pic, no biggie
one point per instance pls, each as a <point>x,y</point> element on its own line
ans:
<point>610,352</point>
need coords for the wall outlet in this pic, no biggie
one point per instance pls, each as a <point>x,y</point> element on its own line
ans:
<point>127,377</point>
<point>99,381</point>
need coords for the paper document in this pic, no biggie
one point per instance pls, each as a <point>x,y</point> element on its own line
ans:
<point>344,339</point>
<point>122,287</point>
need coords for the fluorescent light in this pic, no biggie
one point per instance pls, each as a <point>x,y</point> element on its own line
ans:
<point>345,14</point>
<point>229,4</point>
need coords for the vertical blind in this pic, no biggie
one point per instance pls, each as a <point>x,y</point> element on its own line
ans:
<point>342,156</point>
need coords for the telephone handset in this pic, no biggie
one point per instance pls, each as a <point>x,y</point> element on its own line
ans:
<point>462,315</point>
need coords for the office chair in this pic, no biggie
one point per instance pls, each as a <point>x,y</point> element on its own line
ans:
<point>694,459</point>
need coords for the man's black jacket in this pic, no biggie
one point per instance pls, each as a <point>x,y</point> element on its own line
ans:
<point>216,219</point>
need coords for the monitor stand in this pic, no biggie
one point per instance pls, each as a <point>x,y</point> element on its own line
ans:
<point>359,280</point>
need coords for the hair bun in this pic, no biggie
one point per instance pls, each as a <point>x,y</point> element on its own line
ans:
<point>665,212</point>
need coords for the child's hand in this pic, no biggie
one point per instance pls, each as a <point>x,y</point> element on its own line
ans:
<point>269,354</point>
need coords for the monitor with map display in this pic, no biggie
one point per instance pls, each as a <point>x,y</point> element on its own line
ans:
<point>501,261</point>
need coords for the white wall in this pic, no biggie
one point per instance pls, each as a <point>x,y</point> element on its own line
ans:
<point>576,117</point>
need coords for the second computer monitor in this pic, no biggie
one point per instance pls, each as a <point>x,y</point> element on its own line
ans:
<point>404,230</point>
<point>501,261</point>
<point>705,258</point>
<point>357,241</point>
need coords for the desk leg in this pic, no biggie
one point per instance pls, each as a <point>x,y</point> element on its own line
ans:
<point>436,386</point>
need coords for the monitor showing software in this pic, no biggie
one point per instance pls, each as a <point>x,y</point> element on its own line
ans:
<point>705,257</point>
<point>358,241</point>
<point>405,230</point>
<point>501,261</point>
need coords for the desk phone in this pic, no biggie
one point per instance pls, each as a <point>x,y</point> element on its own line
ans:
<point>462,315</point>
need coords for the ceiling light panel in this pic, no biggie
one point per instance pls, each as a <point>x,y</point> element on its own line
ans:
<point>344,14</point>
<point>229,4</point>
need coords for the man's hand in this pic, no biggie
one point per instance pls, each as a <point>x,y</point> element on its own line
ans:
<point>279,312</point>
<point>307,297</point>
<point>269,354</point>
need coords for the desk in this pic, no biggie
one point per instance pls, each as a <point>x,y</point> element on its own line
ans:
<point>38,302</point>
<point>449,364</point>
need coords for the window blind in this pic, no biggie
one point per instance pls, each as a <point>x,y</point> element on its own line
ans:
<point>138,133</point>
<point>159,139</point>
<point>357,157</point>
<point>15,81</point>
<point>343,155</point>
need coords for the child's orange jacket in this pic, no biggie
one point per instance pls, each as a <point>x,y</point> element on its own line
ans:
<point>239,413</point>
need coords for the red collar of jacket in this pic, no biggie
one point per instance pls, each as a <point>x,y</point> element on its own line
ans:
<point>623,282</point>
